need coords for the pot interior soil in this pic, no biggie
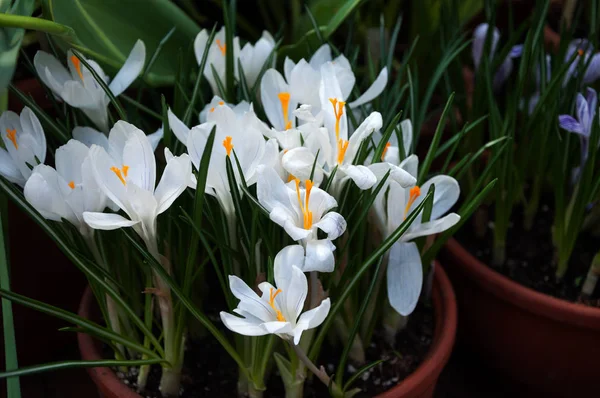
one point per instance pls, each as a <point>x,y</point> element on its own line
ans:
<point>208,371</point>
<point>530,259</point>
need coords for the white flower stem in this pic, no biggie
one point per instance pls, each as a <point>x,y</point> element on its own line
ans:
<point>314,290</point>
<point>320,373</point>
<point>171,373</point>
<point>111,306</point>
<point>591,280</point>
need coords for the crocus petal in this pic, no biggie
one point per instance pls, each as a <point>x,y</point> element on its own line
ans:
<point>290,255</point>
<point>593,71</point>
<point>321,56</point>
<point>9,170</point>
<point>31,124</point>
<point>90,136</point>
<point>106,221</point>
<point>447,191</point>
<point>173,182</point>
<point>271,85</point>
<point>569,123</point>
<point>320,202</point>
<point>47,65</point>
<point>277,327</point>
<point>319,256</point>
<point>372,92</point>
<point>249,300</point>
<point>180,130</point>
<point>411,164</point>
<point>130,70</point>
<point>242,326</point>
<point>431,227</point>
<point>372,123</point>
<point>333,224</point>
<point>502,73</point>
<point>361,175</point>
<point>345,75</point>
<point>272,192</point>
<point>288,65</point>
<point>404,277</point>
<point>292,281</point>
<point>155,138</point>
<point>138,155</point>
<point>397,174</point>
<point>407,135</point>
<point>479,36</point>
<point>69,158</point>
<point>43,191</point>
<point>299,163</point>
<point>311,319</point>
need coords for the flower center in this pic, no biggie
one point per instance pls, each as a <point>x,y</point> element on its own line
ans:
<point>342,146</point>
<point>385,150</point>
<point>338,111</point>
<point>222,47</point>
<point>77,64</point>
<point>228,145</point>
<point>12,136</point>
<point>119,172</point>
<point>72,184</point>
<point>580,52</point>
<point>272,296</point>
<point>307,215</point>
<point>284,98</point>
<point>415,192</point>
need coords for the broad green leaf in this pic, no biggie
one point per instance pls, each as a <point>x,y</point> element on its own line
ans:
<point>10,40</point>
<point>107,30</point>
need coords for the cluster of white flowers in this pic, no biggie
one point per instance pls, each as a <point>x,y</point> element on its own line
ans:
<point>307,140</point>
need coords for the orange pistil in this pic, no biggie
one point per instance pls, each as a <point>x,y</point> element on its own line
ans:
<point>228,145</point>
<point>222,47</point>
<point>307,215</point>
<point>272,296</point>
<point>385,150</point>
<point>72,184</point>
<point>12,136</point>
<point>342,146</point>
<point>120,172</point>
<point>284,98</point>
<point>338,111</point>
<point>415,192</point>
<point>77,64</point>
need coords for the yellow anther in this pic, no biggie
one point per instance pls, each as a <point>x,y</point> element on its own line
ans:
<point>77,64</point>
<point>338,111</point>
<point>307,215</point>
<point>580,52</point>
<point>415,192</point>
<point>221,103</point>
<point>342,146</point>
<point>222,47</point>
<point>72,184</point>
<point>272,296</point>
<point>121,173</point>
<point>385,150</point>
<point>228,145</point>
<point>12,136</point>
<point>212,109</point>
<point>284,98</point>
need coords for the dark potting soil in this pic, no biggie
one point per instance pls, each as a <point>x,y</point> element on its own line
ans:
<point>209,372</point>
<point>530,257</point>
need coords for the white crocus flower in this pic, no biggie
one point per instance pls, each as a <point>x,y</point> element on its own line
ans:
<point>78,87</point>
<point>239,109</point>
<point>253,57</point>
<point>391,152</point>
<point>301,212</point>
<point>90,136</point>
<point>279,309</point>
<point>216,57</point>
<point>127,176</point>
<point>67,191</point>
<point>25,143</point>
<point>405,270</point>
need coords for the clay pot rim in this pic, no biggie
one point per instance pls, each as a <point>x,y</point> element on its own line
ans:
<point>444,302</point>
<point>521,296</point>
<point>446,318</point>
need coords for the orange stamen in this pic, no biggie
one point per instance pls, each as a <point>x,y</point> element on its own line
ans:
<point>120,173</point>
<point>222,47</point>
<point>12,136</point>
<point>580,52</point>
<point>307,215</point>
<point>291,178</point>
<point>72,184</point>
<point>385,150</point>
<point>77,64</point>
<point>228,145</point>
<point>338,112</point>
<point>212,109</point>
<point>125,170</point>
<point>284,98</point>
<point>221,103</point>
<point>342,146</point>
<point>415,192</point>
<point>272,296</point>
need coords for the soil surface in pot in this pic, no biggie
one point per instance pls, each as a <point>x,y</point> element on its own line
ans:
<point>530,259</point>
<point>208,371</point>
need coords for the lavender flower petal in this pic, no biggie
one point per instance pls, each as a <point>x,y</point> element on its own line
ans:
<point>502,73</point>
<point>479,36</point>
<point>593,71</point>
<point>591,98</point>
<point>568,123</point>
<point>516,51</point>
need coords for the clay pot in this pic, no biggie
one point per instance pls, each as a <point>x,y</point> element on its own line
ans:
<point>420,384</point>
<point>546,344</point>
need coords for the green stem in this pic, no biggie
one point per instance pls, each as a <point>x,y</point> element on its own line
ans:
<point>39,24</point>
<point>320,373</point>
<point>533,204</point>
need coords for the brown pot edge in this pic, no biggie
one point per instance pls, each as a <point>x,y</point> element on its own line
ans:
<point>525,298</point>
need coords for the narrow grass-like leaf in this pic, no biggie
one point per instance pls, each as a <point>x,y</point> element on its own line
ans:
<point>359,372</point>
<point>386,137</point>
<point>188,112</point>
<point>78,364</point>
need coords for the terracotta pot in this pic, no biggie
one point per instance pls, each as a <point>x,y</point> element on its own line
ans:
<point>549,345</point>
<point>420,384</point>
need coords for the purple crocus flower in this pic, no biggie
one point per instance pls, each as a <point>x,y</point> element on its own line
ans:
<point>584,50</point>
<point>582,126</point>
<point>505,68</point>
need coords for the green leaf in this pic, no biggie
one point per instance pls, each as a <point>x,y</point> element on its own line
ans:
<point>107,30</point>
<point>13,385</point>
<point>77,364</point>
<point>360,372</point>
<point>10,41</point>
